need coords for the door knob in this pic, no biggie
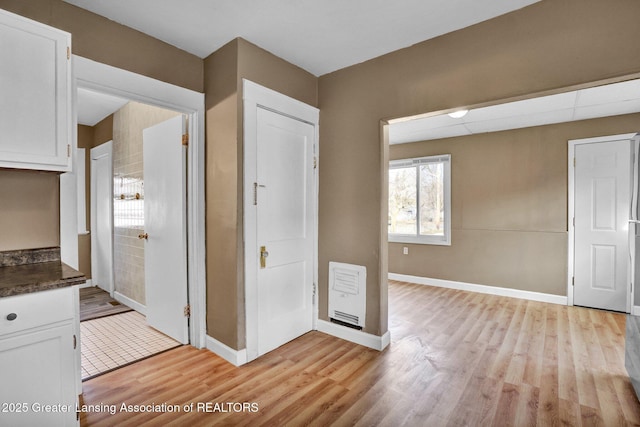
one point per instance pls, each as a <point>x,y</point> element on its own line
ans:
<point>144,236</point>
<point>263,256</point>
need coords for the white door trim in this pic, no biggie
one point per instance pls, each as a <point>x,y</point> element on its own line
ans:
<point>254,97</point>
<point>102,150</point>
<point>571,210</point>
<point>104,78</point>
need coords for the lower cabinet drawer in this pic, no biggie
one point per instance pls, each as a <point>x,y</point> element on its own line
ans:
<point>22,312</point>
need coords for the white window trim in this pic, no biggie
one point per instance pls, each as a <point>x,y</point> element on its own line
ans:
<point>429,240</point>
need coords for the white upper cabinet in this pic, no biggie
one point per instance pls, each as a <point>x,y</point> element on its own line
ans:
<point>35,95</point>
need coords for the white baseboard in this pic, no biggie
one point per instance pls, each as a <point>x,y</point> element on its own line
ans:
<point>483,289</point>
<point>235,357</point>
<point>142,309</point>
<point>87,284</point>
<point>635,310</point>
<point>368,340</point>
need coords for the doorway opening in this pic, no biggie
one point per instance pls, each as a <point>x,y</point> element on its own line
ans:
<point>509,213</point>
<point>123,272</point>
<point>127,86</point>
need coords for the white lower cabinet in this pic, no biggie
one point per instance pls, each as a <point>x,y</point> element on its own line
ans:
<point>38,360</point>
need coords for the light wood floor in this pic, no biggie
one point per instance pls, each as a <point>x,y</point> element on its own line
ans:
<point>456,358</point>
<point>96,303</point>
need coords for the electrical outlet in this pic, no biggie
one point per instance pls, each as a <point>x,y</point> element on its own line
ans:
<point>405,250</point>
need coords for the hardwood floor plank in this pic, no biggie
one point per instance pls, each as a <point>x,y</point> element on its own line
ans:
<point>507,409</point>
<point>527,411</point>
<point>567,382</point>
<point>627,399</point>
<point>591,417</point>
<point>450,354</point>
<point>96,303</point>
<point>548,407</point>
<point>535,345</point>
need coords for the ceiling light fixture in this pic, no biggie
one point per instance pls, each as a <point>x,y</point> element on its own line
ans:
<point>458,114</point>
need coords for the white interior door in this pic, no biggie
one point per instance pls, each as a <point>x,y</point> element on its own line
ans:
<point>602,206</point>
<point>165,252</point>
<point>285,228</point>
<point>102,216</point>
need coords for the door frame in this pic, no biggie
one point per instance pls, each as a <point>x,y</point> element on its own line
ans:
<point>104,149</point>
<point>256,96</point>
<point>107,79</point>
<point>571,214</point>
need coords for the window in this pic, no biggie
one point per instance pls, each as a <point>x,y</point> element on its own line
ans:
<point>420,200</point>
<point>128,202</point>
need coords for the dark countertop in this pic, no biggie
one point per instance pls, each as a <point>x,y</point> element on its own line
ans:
<point>42,276</point>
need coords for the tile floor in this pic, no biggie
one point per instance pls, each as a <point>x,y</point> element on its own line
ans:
<point>114,341</point>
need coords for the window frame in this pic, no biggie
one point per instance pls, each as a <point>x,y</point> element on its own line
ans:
<point>445,239</point>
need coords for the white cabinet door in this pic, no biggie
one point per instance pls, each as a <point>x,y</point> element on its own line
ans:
<point>35,106</point>
<point>38,377</point>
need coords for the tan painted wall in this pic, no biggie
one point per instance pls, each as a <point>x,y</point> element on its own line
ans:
<point>509,198</point>
<point>224,71</point>
<point>543,47</point>
<point>29,213</point>
<point>223,242</point>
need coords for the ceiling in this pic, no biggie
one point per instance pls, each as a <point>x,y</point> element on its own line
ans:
<point>599,101</point>
<point>95,106</point>
<point>324,36</point>
<point>318,36</point>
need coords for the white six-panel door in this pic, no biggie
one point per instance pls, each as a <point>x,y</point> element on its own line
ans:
<point>602,193</point>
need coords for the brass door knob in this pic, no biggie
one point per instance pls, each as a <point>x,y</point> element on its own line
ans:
<point>144,236</point>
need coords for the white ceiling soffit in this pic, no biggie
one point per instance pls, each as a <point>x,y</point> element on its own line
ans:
<point>600,101</point>
<point>95,106</point>
<point>318,36</point>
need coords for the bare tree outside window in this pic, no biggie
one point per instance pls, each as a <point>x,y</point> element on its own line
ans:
<point>402,201</point>
<point>432,199</point>
<point>419,200</point>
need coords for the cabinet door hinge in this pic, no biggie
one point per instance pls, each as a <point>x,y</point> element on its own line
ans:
<point>314,293</point>
<point>68,52</point>
<point>573,281</point>
<point>68,150</point>
<point>187,310</point>
<point>315,162</point>
<point>574,162</point>
<point>75,342</point>
<point>185,139</point>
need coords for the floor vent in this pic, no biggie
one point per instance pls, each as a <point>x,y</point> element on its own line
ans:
<point>348,325</point>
